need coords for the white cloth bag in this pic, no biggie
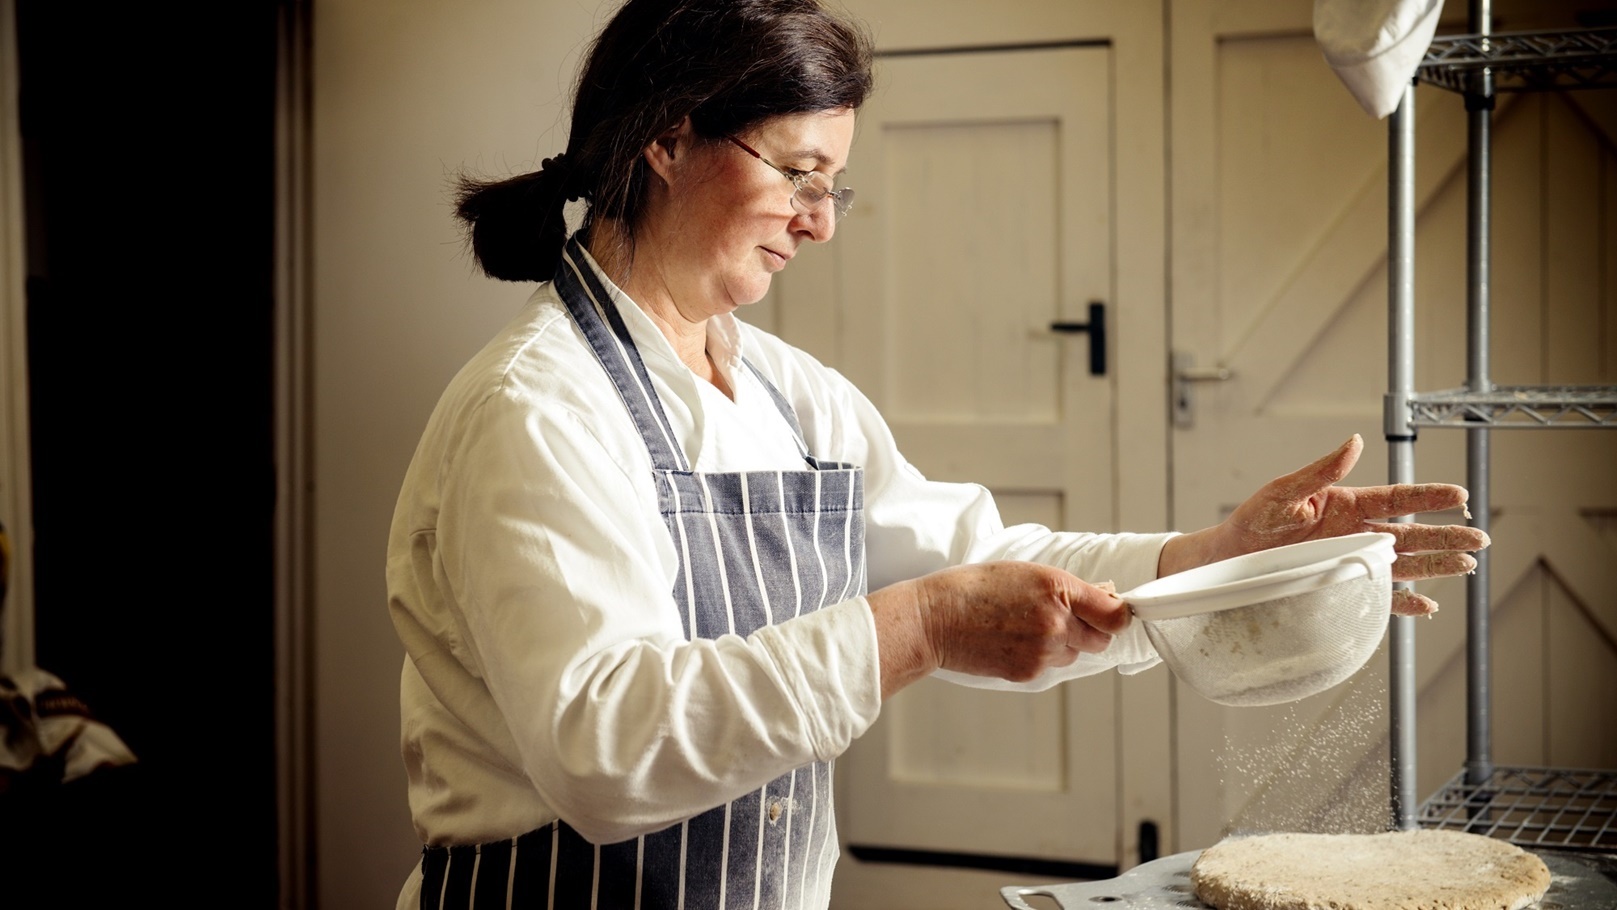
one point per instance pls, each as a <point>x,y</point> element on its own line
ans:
<point>1375,46</point>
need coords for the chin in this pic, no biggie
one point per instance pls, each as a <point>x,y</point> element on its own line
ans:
<point>750,292</point>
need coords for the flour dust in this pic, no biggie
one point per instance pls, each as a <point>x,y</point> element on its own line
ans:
<point>1324,776</point>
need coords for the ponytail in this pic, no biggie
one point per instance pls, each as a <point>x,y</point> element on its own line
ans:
<point>517,225</point>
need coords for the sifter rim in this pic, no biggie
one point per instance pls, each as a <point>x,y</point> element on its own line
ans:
<point>1263,576</point>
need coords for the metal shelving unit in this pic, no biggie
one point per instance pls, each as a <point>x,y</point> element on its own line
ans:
<point>1522,61</point>
<point>1568,809</point>
<point>1517,406</point>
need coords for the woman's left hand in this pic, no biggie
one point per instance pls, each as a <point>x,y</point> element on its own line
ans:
<point>1306,504</point>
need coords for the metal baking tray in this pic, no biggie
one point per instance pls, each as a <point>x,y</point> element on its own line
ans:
<point>1162,884</point>
<point>1578,881</point>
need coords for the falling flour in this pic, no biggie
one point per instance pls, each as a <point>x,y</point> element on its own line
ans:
<point>1323,774</point>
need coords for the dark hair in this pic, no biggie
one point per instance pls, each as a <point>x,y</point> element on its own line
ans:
<point>727,64</point>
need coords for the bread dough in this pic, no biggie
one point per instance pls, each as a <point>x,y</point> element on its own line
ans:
<point>1396,870</point>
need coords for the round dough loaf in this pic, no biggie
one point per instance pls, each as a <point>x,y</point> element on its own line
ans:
<point>1396,870</point>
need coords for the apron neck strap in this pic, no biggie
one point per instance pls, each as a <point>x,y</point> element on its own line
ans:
<point>590,304</point>
<point>785,408</point>
<point>591,307</point>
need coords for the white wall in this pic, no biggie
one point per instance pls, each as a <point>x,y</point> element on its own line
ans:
<point>405,93</point>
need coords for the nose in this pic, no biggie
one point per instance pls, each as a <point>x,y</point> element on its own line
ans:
<point>819,224</point>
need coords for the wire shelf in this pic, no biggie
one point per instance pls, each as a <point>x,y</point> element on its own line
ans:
<point>1545,808</point>
<point>1522,61</point>
<point>1517,406</point>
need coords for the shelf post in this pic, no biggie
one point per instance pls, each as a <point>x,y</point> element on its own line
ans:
<point>1400,435</point>
<point>1479,103</point>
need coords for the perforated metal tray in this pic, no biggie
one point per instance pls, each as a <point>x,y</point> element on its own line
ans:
<point>1579,881</point>
<point>1162,884</point>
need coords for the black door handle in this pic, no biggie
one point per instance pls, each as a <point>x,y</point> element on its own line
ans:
<point>1096,327</point>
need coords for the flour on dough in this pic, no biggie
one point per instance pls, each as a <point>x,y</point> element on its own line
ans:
<point>1395,870</point>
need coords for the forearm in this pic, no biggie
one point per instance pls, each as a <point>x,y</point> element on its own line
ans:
<point>1127,560</point>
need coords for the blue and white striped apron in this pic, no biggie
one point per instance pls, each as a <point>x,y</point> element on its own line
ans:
<point>755,548</point>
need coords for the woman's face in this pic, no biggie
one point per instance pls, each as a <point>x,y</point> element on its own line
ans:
<point>723,222</point>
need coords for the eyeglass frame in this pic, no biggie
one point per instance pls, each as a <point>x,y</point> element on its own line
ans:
<point>841,199</point>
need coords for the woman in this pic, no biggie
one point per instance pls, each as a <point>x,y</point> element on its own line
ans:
<point>631,557</point>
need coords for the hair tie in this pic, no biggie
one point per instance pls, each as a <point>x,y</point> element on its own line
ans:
<point>561,168</point>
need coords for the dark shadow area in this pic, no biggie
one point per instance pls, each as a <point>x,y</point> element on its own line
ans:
<point>148,154</point>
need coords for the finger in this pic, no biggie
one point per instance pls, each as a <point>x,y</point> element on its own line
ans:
<point>1415,566</point>
<point>1408,603</point>
<point>1087,639</point>
<point>1071,645</point>
<point>1417,538</point>
<point>1307,481</point>
<point>1408,499</point>
<point>1098,608</point>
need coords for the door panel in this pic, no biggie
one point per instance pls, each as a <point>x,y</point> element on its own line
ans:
<point>961,334</point>
<point>987,220</point>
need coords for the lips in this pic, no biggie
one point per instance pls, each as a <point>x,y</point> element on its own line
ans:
<point>777,260</point>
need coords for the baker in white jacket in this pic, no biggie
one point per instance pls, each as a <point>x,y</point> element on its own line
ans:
<point>655,569</point>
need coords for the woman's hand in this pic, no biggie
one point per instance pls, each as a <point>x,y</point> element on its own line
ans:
<point>1306,504</point>
<point>1010,620</point>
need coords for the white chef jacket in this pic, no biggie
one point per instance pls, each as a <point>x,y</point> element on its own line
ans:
<point>530,578</point>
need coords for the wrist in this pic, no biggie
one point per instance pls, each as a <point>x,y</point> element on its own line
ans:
<point>904,647</point>
<point>1197,548</point>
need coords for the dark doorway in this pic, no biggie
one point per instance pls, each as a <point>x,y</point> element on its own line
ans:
<point>148,152</point>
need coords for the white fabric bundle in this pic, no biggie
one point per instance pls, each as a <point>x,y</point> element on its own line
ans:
<point>48,730</point>
<point>1375,46</point>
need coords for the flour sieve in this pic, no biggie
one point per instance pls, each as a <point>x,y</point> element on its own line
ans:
<point>1272,626</point>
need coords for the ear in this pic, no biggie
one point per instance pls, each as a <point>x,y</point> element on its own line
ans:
<point>669,148</point>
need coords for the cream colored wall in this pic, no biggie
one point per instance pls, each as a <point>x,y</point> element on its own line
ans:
<point>405,93</point>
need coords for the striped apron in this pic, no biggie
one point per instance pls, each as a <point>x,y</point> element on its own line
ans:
<point>755,548</point>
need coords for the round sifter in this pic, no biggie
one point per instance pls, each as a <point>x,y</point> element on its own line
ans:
<point>1272,626</point>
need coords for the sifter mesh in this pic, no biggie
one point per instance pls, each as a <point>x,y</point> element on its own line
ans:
<point>1278,650</point>
<point>1272,626</point>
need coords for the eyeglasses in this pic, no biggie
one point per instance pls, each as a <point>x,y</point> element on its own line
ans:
<point>812,186</point>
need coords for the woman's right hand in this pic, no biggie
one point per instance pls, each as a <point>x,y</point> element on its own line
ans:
<point>1010,620</point>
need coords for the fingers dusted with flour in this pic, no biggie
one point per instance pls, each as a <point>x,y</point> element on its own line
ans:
<point>1408,603</point>
<point>1309,503</point>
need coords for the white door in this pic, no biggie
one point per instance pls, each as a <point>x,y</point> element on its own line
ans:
<point>987,184</point>
<point>1278,249</point>
<point>988,222</point>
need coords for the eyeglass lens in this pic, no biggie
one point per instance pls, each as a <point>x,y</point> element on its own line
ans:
<point>812,187</point>
<point>813,190</point>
